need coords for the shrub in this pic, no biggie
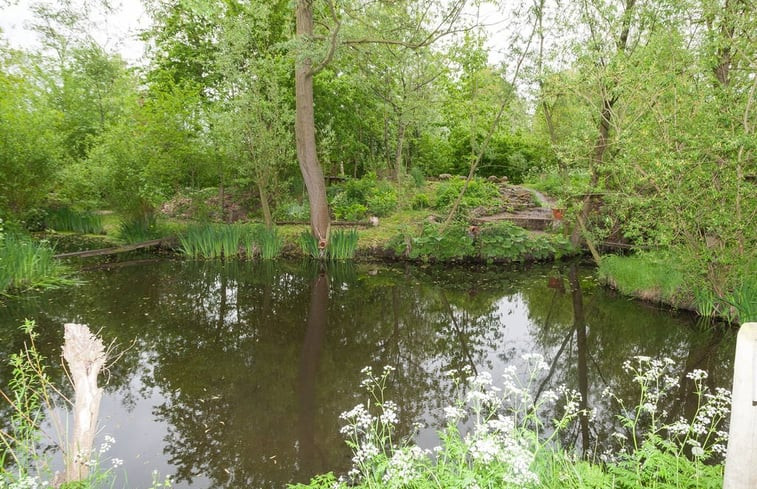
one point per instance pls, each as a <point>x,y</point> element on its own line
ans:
<point>357,198</point>
<point>434,244</point>
<point>480,193</point>
<point>506,241</point>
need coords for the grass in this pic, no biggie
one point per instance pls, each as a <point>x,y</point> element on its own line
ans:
<point>651,276</point>
<point>216,241</point>
<point>27,264</point>
<point>67,219</point>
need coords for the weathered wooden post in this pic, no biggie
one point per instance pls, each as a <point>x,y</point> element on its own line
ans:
<point>85,355</point>
<point>741,457</point>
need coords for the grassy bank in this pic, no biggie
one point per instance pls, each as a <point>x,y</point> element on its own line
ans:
<point>667,278</point>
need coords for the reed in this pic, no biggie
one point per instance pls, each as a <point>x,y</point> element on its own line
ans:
<point>29,264</point>
<point>342,245</point>
<point>270,243</point>
<point>214,241</point>
<point>309,245</point>
<point>67,219</point>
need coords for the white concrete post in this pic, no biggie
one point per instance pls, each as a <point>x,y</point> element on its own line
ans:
<point>741,458</point>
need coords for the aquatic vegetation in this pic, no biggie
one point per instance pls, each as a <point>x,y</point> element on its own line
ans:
<point>26,264</point>
<point>214,241</point>
<point>495,437</point>
<point>342,245</point>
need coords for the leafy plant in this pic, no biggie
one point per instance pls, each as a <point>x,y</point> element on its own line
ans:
<point>357,198</point>
<point>434,244</point>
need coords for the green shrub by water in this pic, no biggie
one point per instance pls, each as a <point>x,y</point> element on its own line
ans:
<point>502,241</point>
<point>26,264</point>
<point>480,193</point>
<point>67,219</point>
<point>358,198</point>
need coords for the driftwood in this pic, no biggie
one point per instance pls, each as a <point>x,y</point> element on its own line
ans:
<point>365,224</point>
<point>85,355</point>
<point>162,242</point>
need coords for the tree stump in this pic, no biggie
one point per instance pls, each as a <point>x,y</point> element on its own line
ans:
<point>85,355</point>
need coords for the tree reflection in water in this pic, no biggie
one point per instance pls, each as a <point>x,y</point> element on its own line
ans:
<point>244,368</point>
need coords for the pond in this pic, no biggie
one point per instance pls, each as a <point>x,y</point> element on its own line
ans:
<point>234,375</point>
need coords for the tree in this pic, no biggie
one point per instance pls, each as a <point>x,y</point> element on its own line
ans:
<point>407,28</point>
<point>29,143</point>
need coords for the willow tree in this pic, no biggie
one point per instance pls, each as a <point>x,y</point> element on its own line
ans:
<point>352,24</point>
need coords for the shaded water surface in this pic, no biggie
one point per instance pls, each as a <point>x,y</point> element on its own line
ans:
<point>234,375</point>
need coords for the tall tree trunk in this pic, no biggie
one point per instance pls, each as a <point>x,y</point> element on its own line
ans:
<point>304,128</point>
<point>398,152</point>
<point>264,206</point>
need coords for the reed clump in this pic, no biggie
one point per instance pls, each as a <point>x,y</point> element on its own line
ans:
<point>223,241</point>
<point>27,264</point>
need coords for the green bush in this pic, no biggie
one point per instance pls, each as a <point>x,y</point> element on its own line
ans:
<point>480,193</point>
<point>421,201</point>
<point>506,241</point>
<point>358,198</point>
<point>434,244</point>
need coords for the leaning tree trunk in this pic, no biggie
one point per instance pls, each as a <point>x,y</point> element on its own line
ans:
<point>304,127</point>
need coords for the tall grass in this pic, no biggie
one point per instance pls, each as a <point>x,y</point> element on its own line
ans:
<point>67,219</point>
<point>270,244</point>
<point>342,245</point>
<point>138,229</point>
<point>309,245</point>
<point>214,241</point>
<point>26,264</point>
<point>644,274</point>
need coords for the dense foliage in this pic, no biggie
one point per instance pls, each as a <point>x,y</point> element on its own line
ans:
<point>638,115</point>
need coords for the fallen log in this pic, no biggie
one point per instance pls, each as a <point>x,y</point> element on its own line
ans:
<point>161,243</point>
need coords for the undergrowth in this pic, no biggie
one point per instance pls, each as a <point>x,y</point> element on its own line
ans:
<point>494,436</point>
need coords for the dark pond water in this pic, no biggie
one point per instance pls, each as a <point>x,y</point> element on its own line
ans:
<point>238,372</point>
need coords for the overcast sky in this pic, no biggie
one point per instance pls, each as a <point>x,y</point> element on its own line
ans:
<point>117,32</point>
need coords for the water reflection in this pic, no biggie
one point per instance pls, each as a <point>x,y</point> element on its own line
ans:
<point>239,371</point>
